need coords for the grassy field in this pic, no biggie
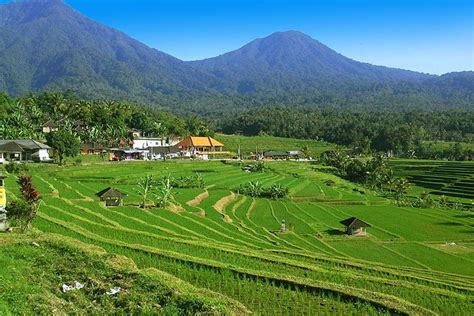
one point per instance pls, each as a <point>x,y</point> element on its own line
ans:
<point>267,143</point>
<point>452,179</point>
<point>35,267</point>
<point>414,261</point>
<point>441,145</point>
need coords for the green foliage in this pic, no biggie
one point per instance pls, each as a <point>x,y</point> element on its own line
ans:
<point>34,275</point>
<point>64,143</point>
<point>16,168</point>
<point>145,186</point>
<point>194,181</point>
<point>23,211</point>
<point>256,189</point>
<point>258,166</point>
<point>365,129</point>
<point>164,195</point>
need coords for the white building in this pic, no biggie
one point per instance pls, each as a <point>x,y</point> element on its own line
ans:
<point>147,142</point>
<point>23,150</point>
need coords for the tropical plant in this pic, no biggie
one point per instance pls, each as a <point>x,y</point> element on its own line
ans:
<point>64,143</point>
<point>164,195</point>
<point>400,188</point>
<point>145,186</point>
<point>276,191</point>
<point>25,210</point>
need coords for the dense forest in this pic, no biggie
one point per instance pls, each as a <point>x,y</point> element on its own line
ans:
<point>403,132</point>
<point>101,122</point>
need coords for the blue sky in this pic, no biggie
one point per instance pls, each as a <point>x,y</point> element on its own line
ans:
<point>434,36</point>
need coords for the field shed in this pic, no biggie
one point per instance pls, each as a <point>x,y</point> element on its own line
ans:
<point>355,226</point>
<point>111,197</point>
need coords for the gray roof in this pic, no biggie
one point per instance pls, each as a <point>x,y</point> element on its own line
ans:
<point>354,223</point>
<point>24,144</point>
<point>163,149</point>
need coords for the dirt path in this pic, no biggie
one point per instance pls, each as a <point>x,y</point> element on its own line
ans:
<point>221,204</point>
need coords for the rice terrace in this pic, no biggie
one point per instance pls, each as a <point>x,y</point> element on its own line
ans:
<point>412,261</point>
<point>203,157</point>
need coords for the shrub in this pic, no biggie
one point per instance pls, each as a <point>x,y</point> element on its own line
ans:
<point>276,191</point>
<point>194,181</point>
<point>258,166</point>
<point>255,189</point>
<point>16,168</point>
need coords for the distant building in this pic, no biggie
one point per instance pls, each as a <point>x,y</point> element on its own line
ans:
<point>355,226</point>
<point>23,150</point>
<point>91,149</point>
<point>146,142</point>
<point>282,155</point>
<point>120,154</point>
<point>163,153</point>
<point>51,126</point>
<point>200,147</point>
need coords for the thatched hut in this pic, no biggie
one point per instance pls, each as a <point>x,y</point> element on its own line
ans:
<point>111,197</point>
<point>355,226</point>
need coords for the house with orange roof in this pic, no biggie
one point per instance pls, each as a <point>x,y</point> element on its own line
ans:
<point>200,147</point>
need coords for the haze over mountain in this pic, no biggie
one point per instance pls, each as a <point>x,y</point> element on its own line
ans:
<point>47,45</point>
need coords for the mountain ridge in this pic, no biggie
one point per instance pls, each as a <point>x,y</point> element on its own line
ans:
<point>48,45</point>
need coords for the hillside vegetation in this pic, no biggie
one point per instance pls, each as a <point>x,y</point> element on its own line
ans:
<point>413,261</point>
<point>36,266</point>
<point>48,45</point>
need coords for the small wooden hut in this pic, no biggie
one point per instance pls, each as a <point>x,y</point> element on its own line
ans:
<point>111,197</point>
<point>355,226</point>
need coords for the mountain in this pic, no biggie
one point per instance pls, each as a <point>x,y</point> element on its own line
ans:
<point>48,45</point>
<point>293,60</point>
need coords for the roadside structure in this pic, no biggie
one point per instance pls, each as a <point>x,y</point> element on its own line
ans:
<point>355,226</point>
<point>23,150</point>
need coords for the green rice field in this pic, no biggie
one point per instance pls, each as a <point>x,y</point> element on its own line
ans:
<point>413,261</point>
<point>453,179</point>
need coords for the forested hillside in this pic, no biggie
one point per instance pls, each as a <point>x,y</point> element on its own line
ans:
<point>401,131</point>
<point>48,45</point>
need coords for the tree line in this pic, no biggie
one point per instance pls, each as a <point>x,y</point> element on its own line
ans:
<point>100,122</point>
<point>402,133</point>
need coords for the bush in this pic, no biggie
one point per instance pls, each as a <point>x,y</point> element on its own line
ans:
<point>258,166</point>
<point>255,189</point>
<point>16,168</point>
<point>194,181</point>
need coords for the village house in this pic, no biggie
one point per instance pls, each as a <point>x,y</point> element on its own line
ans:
<point>355,226</point>
<point>23,150</point>
<point>91,149</point>
<point>200,147</point>
<point>147,142</point>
